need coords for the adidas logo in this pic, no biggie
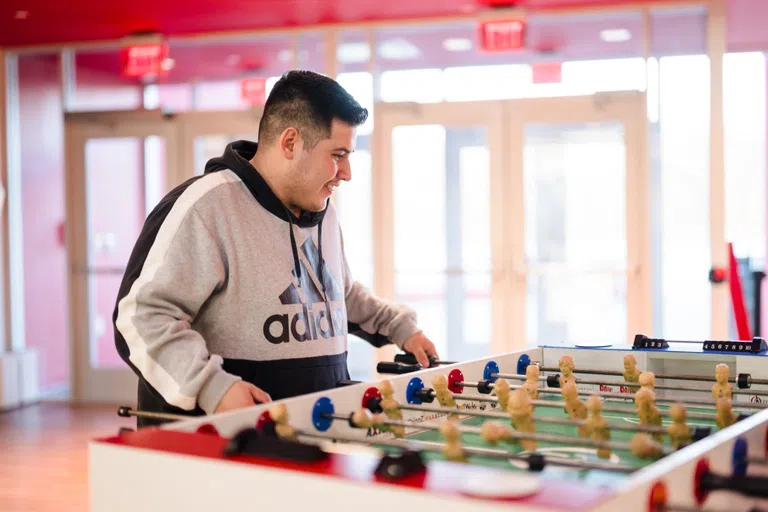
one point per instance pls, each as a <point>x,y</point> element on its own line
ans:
<point>318,318</point>
<point>306,325</point>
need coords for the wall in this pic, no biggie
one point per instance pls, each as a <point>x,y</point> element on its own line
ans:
<point>42,186</point>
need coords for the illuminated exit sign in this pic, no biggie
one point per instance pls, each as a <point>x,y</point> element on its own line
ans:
<point>502,35</point>
<point>143,59</point>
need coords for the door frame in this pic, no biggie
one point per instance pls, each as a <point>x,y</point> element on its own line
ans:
<point>88,384</point>
<point>482,113</point>
<point>179,131</point>
<point>506,120</point>
<point>629,108</point>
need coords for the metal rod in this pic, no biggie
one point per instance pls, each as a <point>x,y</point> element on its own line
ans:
<point>606,408</point>
<point>632,384</point>
<point>627,396</point>
<point>127,412</point>
<point>479,452</point>
<point>548,438</point>
<point>692,401</point>
<point>554,421</point>
<point>670,376</point>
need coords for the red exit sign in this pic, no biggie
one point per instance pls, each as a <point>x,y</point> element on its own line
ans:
<point>143,59</point>
<point>254,90</point>
<point>502,35</point>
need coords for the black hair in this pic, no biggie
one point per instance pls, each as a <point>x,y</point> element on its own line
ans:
<point>309,102</point>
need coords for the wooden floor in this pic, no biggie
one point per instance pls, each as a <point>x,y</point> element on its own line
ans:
<point>44,457</point>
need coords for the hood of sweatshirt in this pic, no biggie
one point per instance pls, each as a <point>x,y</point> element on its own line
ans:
<point>236,157</point>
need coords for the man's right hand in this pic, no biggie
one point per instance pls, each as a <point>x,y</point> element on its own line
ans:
<point>241,394</point>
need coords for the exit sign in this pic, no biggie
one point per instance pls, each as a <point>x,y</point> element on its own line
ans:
<point>143,59</point>
<point>502,35</point>
<point>254,90</point>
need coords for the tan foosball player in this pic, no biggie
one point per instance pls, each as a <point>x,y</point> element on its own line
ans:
<point>531,385</point>
<point>390,407</point>
<point>279,415</point>
<point>645,403</point>
<point>647,380</point>
<point>575,407</point>
<point>721,388</point>
<point>725,417</point>
<point>442,393</point>
<point>631,373</point>
<point>453,449</point>
<point>501,388</point>
<point>597,425</point>
<point>679,431</point>
<point>566,366</point>
<point>521,412</point>
<point>494,432</point>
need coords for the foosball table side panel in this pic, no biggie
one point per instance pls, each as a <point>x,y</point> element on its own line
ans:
<point>168,470</point>
<point>676,472</point>
<point>124,479</point>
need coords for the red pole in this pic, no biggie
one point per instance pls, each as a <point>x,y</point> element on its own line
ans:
<point>737,298</point>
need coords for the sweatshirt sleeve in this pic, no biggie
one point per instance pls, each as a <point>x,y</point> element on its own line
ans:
<point>373,319</point>
<point>158,303</point>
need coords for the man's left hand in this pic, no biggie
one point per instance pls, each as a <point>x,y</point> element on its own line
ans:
<point>420,346</point>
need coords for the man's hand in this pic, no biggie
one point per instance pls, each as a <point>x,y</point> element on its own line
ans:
<point>241,394</point>
<point>420,346</point>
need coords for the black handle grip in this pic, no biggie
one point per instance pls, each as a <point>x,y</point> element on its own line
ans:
<point>406,358</point>
<point>345,382</point>
<point>396,368</point>
<point>409,358</point>
<point>754,486</point>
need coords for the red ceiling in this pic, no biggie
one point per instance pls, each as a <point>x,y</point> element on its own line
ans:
<point>32,22</point>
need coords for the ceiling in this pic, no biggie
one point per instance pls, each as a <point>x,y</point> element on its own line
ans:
<point>549,36</point>
<point>34,22</point>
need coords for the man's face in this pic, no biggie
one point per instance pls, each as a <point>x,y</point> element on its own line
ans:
<point>317,172</point>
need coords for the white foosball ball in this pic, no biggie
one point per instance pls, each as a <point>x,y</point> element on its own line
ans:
<point>675,426</point>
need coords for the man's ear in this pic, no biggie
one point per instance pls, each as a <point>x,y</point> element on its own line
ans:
<point>289,143</point>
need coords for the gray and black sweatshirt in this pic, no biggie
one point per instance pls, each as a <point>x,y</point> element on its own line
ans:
<point>225,283</point>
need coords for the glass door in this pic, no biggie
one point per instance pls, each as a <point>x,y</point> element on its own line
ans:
<point>580,240</point>
<point>438,190</point>
<point>119,165</point>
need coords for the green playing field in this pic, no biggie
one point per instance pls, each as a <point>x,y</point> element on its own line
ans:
<point>558,450</point>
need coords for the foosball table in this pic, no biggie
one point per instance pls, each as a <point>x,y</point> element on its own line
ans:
<point>658,425</point>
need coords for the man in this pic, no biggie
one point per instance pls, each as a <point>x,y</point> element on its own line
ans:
<point>238,291</point>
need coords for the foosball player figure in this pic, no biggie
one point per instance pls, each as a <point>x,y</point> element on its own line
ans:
<point>679,431</point>
<point>598,427</point>
<point>725,417</point>
<point>443,394</point>
<point>631,373</point>
<point>521,412</point>
<point>645,403</point>
<point>647,380</point>
<point>643,447</point>
<point>501,388</point>
<point>363,418</point>
<point>453,449</point>
<point>494,432</point>
<point>391,408</point>
<point>566,366</point>
<point>279,415</point>
<point>531,384</point>
<point>721,388</point>
<point>575,407</point>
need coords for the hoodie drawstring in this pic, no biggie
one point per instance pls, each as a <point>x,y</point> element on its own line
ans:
<point>296,264</point>
<point>295,250</point>
<point>320,253</point>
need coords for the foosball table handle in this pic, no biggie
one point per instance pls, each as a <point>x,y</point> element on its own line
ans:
<point>397,368</point>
